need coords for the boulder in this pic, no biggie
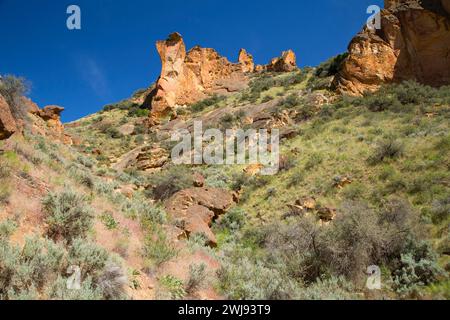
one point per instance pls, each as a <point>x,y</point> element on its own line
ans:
<point>413,43</point>
<point>145,158</point>
<point>8,125</point>
<point>195,209</point>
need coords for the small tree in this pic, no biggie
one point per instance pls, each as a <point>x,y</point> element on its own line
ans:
<point>12,88</point>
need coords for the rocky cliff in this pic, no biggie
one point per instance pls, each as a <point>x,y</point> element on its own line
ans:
<point>187,77</point>
<point>413,43</point>
<point>25,113</point>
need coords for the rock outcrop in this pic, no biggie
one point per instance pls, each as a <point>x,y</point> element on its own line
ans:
<point>287,62</point>
<point>187,77</point>
<point>145,158</point>
<point>195,209</point>
<point>246,61</point>
<point>413,43</point>
<point>52,125</point>
<point>8,125</point>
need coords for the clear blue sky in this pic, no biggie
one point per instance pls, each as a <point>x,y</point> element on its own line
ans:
<point>114,54</point>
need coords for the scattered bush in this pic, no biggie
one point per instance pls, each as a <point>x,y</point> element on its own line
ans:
<point>108,220</point>
<point>113,133</point>
<point>169,182</point>
<point>196,279</point>
<point>24,272</point>
<point>12,89</point>
<point>233,220</point>
<point>331,67</point>
<point>138,112</point>
<point>157,247</point>
<point>333,288</point>
<point>244,279</point>
<point>5,193</point>
<point>173,286</point>
<point>386,149</point>
<point>85,161</point>
<point>202,105</point>
<point>418,268</point>
<point>67,215</point>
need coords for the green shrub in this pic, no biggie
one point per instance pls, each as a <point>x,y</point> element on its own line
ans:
<point>354,191</point>
<point>386,149</point>
<point>7,228</point>
<point>12,88</point>
<point>67,215</point>
<point>378,103</point>
<point>24,272</point>
<point>174,287</point>
<point>196,279</point>
<point>331,67</point>
<point>313,161</point>
<point>267,98</point>
<point>85,161</point>
<point>108,221</point>
<point>113,133</point>
<point>418,268</point>
<point>138,112</point>
<point>262,84</point>
<point>5,193</point>
<point>157,247</point>
<point>169,182</point>
<point>244,279</point>
<point>333,288</point>
<point>29,154</point>
<point>440,210</point>
<point>203,104</point>
<point>86,179</point>
<point>291,101</point>
<point>233,220</point>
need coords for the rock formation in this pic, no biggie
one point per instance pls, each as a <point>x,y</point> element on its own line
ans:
<point>48,123</point>
<point>287,62</point>
<point>246,61</point>
<point>188,77</point>
<point>8,125</point>
<point>195,209</point>
<point>413,43</point>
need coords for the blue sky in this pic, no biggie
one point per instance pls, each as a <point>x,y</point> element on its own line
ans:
<point>114,54</point>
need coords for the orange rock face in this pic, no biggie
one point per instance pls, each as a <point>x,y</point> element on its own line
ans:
<point>246,61</point>
<point>413,43</point>
<point>8,125</point>
<point>286,63</point>
<point>195,209</point>
<point>189,77</point>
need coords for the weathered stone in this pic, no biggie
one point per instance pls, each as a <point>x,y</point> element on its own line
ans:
<point>189,77</point>
<point>413,43</point>
<point>286,63</point>
<point>8,125</point>
<point>246,61</point>
<point>195,209</point>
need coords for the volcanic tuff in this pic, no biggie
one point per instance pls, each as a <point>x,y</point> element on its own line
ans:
<point>413,43</point>
<point>188,77</point>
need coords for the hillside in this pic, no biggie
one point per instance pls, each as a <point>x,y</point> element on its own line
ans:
<point>97,209</point>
